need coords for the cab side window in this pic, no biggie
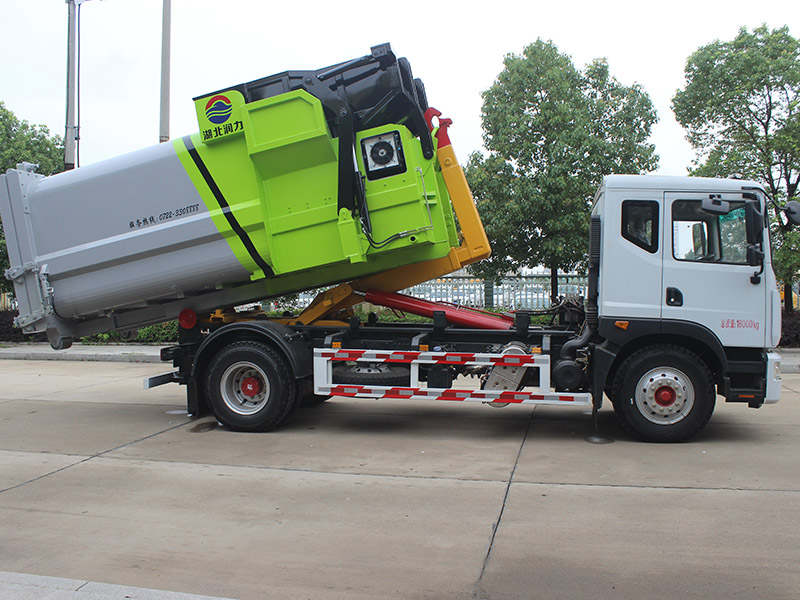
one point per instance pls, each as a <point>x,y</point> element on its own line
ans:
<point>701,236</point>
<point>640,224</point>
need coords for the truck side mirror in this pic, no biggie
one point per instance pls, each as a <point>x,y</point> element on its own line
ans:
<point>699,243</point>
<point>792,210</point>
<point>755,257</point>
<point>754,222</point>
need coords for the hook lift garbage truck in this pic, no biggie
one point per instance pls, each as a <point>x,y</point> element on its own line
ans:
<point>338,177</point>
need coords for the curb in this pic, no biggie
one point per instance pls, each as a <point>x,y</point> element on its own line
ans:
<point>22,585</point>
<point>97,357</point>
<point>133,354</point>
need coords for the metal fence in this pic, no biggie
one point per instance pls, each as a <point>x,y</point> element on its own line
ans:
<point>529,291</point>
<point>7,302</point>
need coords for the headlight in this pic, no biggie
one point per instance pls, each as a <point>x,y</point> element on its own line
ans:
<point>383,155</point>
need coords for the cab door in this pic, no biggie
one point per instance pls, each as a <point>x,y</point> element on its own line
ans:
<point>706,276</point>
<point>630,281</point>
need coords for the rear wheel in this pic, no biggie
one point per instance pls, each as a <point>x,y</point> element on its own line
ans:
<point>663,394</point>
<point>249,387</point>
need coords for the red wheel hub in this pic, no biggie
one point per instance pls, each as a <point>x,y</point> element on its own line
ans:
<point>665,396</point>
<point>251,387</point>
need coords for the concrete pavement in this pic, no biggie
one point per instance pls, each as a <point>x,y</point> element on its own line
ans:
<point>18,586</point>
<point>103,482</point>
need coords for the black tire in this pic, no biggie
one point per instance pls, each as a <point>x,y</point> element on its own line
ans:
<point>663,394</point>
<point>249,387</point>
<point>382,374</point>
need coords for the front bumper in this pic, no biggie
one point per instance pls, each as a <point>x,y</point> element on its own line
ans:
<point>773,377</point>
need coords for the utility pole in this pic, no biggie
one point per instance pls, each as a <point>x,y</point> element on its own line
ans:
<point>71,131</point>
<point>165,39</point>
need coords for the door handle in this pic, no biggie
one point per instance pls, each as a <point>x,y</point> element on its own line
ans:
<point>674,297</point>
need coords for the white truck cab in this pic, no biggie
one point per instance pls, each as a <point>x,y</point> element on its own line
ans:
<point>686,298</point>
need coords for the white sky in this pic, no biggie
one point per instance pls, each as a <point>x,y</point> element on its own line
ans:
<point>456,48</point>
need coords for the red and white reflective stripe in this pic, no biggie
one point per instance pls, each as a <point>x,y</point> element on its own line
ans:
<point>457,394</point>
<point>454,358</point>
<point>344,354</point>
<point>515,360</point>
<point>396,357</point>
<point>349,390</point>
<point>448,358</point>
<point>324,358</point>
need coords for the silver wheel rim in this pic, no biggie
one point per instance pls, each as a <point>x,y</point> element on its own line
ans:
<point>244,388</point>
<point>664,395</point>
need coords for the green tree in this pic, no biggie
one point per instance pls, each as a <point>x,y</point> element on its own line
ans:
<point>552,132</point>
<point>741,113</point>
<point>22,142</point>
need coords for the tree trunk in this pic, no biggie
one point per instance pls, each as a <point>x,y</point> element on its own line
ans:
<point>788,298</point>
<point>553,284</point>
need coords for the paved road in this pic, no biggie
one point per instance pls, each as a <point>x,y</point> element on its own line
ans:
<point>103,484</point>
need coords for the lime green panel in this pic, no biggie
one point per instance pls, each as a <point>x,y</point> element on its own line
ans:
<point>417,199</point>
<point>276,166</point>
<point>233,175</point>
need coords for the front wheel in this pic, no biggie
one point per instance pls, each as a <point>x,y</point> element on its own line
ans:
<point>663,394</point>
<point>249,387</point>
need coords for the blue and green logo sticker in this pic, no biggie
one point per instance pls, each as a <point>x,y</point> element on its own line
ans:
<point>220,115</point>
<point>218,109</point>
